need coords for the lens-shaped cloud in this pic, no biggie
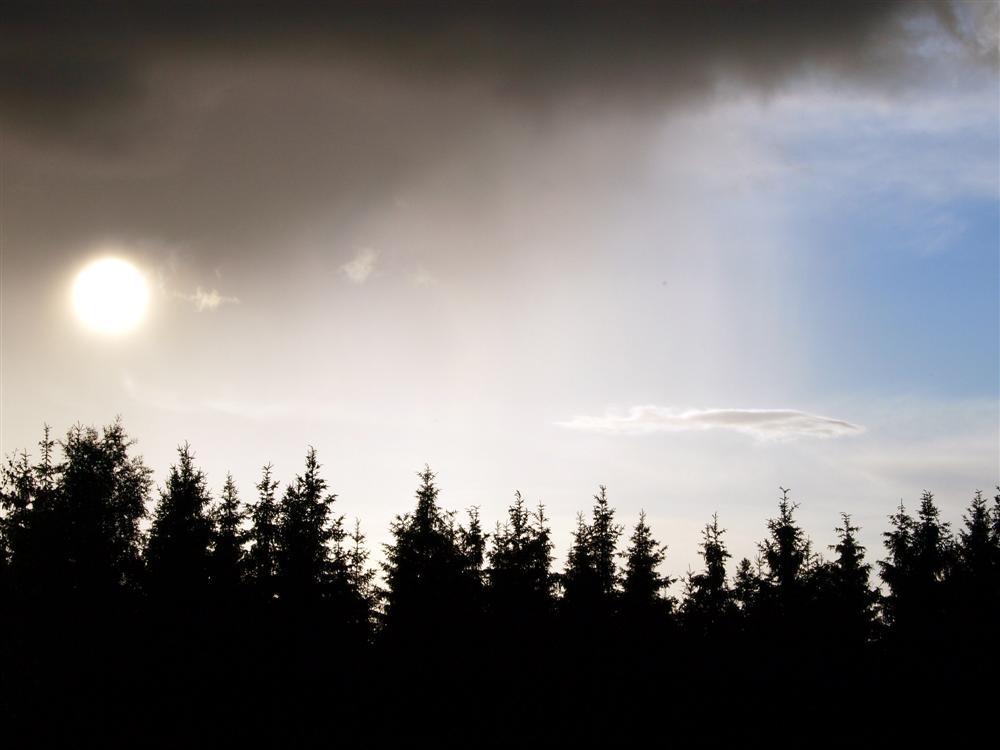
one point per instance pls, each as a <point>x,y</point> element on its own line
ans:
<point>763,424</point>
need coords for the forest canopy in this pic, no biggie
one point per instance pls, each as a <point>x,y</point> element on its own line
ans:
<point>219,595</point>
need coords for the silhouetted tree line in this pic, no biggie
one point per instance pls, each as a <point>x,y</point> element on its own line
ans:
<point>229,620</point>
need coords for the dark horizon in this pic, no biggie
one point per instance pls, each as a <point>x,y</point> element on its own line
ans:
<point>281,593</point>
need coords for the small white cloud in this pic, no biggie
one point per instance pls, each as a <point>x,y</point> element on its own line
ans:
<point>207,300</point>
<point>211,300</point>
<point>763,424</point>
<point>361,267</point>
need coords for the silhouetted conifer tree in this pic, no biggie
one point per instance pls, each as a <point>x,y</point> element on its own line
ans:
<point>228,537</point>
<point>932,541</point>
<point>976,575</point>
<point>18,489</point>
<point>308,537</point>
<point>746,584</point>
<point>995,541</point>
<point>520,561</point>
<point>786,552</point>
<point>540,558</point>
<point>786,610</point>
<point>73,527</point>
<point>73,536</point>
<point>426,569</point>
<point>642,583</point>
<point>933,553</point>
<point>472,544</point>
<point>590,580</point>
<point>708,602</point>
<point>34,519</point>
<point>262,554</point>
<point>578,581</point>
<point>849,600</point>
<point>604,536</point>
<point>995,522</point>
<point>976,543</point>
<point>920,556</point>
<point>177,556</point>
<point>896,569</point>
<point>361,578</point>
<point>101,501</point>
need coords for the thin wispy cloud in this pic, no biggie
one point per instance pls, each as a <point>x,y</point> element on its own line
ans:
<point>763,424</point>
<point>172,275</point>
<point>361,267</point>
<point>207,300</point>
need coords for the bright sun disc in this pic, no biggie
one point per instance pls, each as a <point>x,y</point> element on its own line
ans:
<point>110,296</point>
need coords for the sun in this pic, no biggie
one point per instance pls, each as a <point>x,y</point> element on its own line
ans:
<point>110,296</point>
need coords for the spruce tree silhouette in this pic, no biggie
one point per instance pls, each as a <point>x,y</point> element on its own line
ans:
<point>947,620</point>
<point>644,635</point>
<point>262,554</point>
<point>588,617</point>
<point>48,520</point>
<point>746,586</point>
<point>228,538</point>
<point>472,549</point>
<point>74,527</point>
<point>427,569</point>
<point>72,530</point>
<point>520,605</point>
<point>786,554</point>
<point>603,538</point>
<point>103,500</point>
<point>922,638</point>
<point>933,554</point>
<point>786,622</point>
<point>31,511</point>
<point>361,581</point>
<point>995,523</point>
<point>177,555</point>
<point>708,601</point>
<point>977,568</point>
<point>643,584</point>
<point>708,617</point>
<point>975,584</point>
<point>19,524</point>
<point>577,581</point>
<point>897,568</point>
<point>539,559</point>
<point>520,562</point>
<point>311,561</point>
<point>976,545</point>
<point>850,601</point>
<point>430,567</point>
<point>590,580</point>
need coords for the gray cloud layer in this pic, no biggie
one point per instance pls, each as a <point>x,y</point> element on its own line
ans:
<point>89,73</point>
<point>768,424</point>
<point>237,128</point>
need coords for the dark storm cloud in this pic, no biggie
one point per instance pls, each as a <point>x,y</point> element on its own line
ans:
<point>85,73</point>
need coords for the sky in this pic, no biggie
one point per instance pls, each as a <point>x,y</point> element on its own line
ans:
<point>690,251</point>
